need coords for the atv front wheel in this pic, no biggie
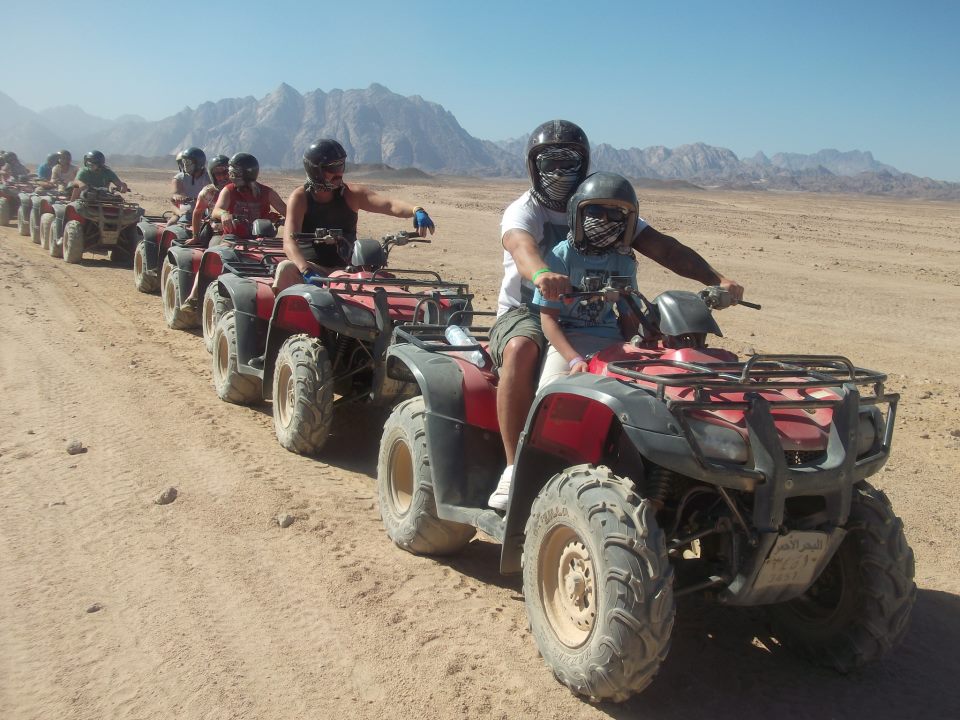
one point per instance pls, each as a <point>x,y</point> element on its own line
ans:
<point>73,242</point>
<point>302,395</point>
<point>27,226</point>
<point>405,487</point>
<point>214,307</point>
<point>46,229</point>
<point>143,280</point>
<point>5,212</point>
<point>859,607</point>
<point>174,313</point>
<point>230,383</point>
<point>597,583</point>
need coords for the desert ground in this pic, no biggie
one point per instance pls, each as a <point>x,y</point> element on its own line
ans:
<point>209,609</point>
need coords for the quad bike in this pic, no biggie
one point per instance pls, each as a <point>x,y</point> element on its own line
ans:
<point>323,343</point>
<point>10,195</point>
<point>182,261</point>
<point>156,237</point>
<point>668,469</point>
<point>32,209</point>
<point>99,220</point>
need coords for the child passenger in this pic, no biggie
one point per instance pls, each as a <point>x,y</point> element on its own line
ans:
<point>602,216</point>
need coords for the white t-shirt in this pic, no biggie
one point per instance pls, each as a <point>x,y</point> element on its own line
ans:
<point>547,227</point>
<point>192,185</point>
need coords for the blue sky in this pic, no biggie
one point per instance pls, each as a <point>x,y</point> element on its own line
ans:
<point>772,76</point>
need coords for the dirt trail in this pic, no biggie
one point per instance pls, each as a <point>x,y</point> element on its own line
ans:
<point>210,610</point>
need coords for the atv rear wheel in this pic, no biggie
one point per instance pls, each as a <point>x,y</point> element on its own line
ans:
<point>405,487</point>
<point>5,212</point>
<point>46,229</point>
<point>214,307</point>
<point>143,280</point>
<point>173,312</point>
<point>597,583</point>
<point>859,607</point>
<point>73,242</point>
<point>302,395</point>
<point>27,226</point>
<point>230,384</point>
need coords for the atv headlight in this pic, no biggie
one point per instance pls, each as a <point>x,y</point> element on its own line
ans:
<point>359,317</point>
<point>869,431</point>
<point>719,443</point>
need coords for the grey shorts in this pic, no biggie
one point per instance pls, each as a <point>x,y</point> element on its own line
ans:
<point>517,322</point>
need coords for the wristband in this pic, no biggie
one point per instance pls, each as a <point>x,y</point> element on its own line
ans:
<point>538,273</point>
<point>577,359</point>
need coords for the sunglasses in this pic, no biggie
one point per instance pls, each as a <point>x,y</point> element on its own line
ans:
<point>549,165</point>
<point>600,212</point>
<point>334,167</point>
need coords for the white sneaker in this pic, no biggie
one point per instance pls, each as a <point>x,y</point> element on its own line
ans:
<point>501,496</point>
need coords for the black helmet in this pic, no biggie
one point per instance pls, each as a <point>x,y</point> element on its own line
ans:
<point>94,160</point>
<point>561,135</point>
<point>322,152</point>
<point>603,191</point>
<point>243,168</point>
<point>191,160</point>
<point>10,157</point>
<point>218,161</point>
<point>65,155</point>
<point>53,158</point>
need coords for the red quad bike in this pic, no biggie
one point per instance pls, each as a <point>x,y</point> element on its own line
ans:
<point>10,198</point>
<point>155,240</point>
<point>323,344</point>
<point>669,468</point>
<point>99,220</point>
<point>182,262</point>
<point>33,208</point>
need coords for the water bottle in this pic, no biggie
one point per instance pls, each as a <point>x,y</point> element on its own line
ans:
<point>456,335</point>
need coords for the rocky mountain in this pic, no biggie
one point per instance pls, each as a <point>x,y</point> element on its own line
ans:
<point>380,128</point>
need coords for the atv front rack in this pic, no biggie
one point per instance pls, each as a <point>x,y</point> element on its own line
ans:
<point>759,373</point>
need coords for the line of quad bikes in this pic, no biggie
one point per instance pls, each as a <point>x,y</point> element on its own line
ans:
<point>669,469</point>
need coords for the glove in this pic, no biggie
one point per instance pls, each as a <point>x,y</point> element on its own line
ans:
<point>421,219</point>
<point>309,275</point>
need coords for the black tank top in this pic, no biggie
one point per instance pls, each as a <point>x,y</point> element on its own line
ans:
<point>335,214</point>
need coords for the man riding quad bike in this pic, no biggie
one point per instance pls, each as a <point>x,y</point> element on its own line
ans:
<point>657,468</point>
<point>99,220</point>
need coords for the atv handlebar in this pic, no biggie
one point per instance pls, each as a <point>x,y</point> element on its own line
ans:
<point>714,297</point>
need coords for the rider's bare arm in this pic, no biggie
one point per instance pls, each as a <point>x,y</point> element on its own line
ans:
<point>296,207</point>
<point>360,197</point>
<point>197,217</point>
<point>556,337</point>
<point>684,261</point>
<point>176,189</point>
<point>277,203</point>
<point>522,246</point>
<point>223,202</point>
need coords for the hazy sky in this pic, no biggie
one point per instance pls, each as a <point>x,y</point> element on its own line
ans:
<point>772,76</point>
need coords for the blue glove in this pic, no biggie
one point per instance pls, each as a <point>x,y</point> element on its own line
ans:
<point>309,275</point>
<point>421,219</point>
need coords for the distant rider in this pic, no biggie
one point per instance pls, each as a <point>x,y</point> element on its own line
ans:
<point>96,174</point>
<point>188,183</point>
<point>64,172</point>
<point>11,169</point>
<point>202,226</point>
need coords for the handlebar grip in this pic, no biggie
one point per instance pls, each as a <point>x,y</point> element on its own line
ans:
<point>755,306</point>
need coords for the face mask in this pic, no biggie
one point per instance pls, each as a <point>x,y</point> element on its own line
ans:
<point>558,172</point>
<point>600,234</point>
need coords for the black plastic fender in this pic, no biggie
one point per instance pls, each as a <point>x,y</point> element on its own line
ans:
<point>148,236</point>
<point>250,328</point>
<point>182,257</point>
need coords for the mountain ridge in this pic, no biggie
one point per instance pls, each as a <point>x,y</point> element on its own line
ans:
<point>379,127</point>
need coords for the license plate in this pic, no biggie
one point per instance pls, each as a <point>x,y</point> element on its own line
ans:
<point>794,560</point>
